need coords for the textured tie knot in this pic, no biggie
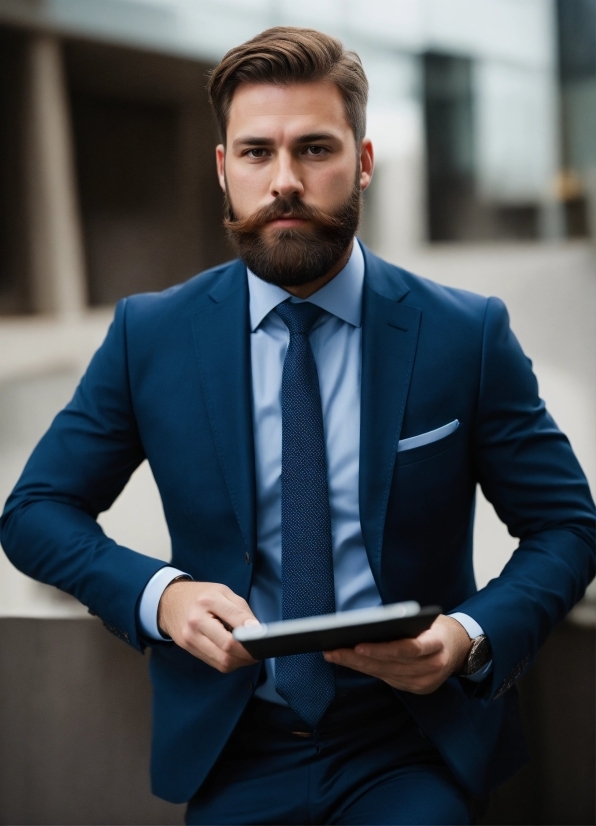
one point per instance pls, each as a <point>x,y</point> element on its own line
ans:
<point>298,318</point>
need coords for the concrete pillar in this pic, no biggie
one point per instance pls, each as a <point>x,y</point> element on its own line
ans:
<point>54,232</point>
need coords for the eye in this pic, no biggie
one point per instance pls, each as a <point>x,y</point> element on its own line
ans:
<point>257,153</point>
<point>316,150</point>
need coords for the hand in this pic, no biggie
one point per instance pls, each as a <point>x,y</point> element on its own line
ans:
<point>198,616</point>
<point>418,665</point>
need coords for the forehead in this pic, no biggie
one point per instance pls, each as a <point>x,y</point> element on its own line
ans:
<point>305,107</point>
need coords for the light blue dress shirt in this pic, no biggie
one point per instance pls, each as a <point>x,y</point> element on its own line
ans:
<point>336,341</point>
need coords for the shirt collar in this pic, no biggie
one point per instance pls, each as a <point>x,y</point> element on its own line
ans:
<point>342,296</point>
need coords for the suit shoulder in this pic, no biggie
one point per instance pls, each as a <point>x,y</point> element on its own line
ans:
<point>441,296</point>
<point>416,291</point>
<point>181,299</point>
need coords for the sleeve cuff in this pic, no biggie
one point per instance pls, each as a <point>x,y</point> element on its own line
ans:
<point>150,601</point>
<point>470,625</point>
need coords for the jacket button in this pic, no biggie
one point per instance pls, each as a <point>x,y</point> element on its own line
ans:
<point>247,558</point>
<point>250,685</point>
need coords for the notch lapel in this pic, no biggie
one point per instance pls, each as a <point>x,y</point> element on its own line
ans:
<point>222,338</point>
<point>389,338</point>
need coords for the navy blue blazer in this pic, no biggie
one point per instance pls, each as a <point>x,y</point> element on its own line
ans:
<point>171,384</point>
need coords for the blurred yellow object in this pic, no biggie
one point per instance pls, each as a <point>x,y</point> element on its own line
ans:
<point>568,185</point>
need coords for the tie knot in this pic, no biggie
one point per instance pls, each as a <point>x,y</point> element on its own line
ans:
<point>298,318</point>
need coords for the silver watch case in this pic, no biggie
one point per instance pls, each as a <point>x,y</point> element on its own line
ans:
<point>478,656</point>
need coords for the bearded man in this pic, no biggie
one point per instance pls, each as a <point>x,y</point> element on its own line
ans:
<point>317,421</point>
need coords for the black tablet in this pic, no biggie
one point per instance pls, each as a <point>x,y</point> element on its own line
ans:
<point>342,630</point>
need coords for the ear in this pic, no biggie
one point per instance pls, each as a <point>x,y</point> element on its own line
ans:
<point>220,158</point>
<point>367,162</point>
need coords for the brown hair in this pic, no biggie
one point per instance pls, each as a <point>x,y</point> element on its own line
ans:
<point>288,54</point>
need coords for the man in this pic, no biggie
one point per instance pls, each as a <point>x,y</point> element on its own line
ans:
<point>316,421</point>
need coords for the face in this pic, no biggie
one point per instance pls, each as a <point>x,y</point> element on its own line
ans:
<point>293,178</point>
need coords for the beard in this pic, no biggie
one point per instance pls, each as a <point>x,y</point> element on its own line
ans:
<point>294,256</point>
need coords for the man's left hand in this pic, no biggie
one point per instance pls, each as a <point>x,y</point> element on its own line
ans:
<point>419,665</point>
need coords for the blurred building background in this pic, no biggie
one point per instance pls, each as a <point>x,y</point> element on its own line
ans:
<point>483,115</point>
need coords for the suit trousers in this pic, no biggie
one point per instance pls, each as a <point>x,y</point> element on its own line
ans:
<point>366,762</point>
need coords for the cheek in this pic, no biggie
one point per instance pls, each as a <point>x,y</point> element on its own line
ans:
<point>331,184</point>
<point>246,188</point>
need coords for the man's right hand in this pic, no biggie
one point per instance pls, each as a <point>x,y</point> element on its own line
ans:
<point>195,616</point>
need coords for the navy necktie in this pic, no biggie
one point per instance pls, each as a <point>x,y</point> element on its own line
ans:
<point>305,681</point>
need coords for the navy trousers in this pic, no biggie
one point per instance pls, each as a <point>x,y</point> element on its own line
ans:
<point>366,762</point>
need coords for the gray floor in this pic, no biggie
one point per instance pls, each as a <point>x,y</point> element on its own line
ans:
<point>75,721</point>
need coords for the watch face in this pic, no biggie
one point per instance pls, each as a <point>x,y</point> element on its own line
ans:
<point>479,655</point>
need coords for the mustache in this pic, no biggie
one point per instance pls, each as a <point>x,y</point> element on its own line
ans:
<point>281,207</point>
<point>297,255</point>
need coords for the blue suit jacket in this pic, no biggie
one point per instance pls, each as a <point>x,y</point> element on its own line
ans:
<point>171,383</point>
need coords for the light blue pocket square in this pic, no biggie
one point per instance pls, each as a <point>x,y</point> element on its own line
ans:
<point>427,438</point>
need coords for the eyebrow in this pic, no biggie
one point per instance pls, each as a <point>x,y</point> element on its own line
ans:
<point>311,137</point>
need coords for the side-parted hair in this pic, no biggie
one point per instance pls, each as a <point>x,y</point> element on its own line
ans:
<point>288,54</point>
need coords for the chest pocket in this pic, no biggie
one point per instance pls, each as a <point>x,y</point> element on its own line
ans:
<point>425,445</point>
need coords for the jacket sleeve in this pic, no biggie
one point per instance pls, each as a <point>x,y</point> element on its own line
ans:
<point>49,529</point>
<point>528,471</point>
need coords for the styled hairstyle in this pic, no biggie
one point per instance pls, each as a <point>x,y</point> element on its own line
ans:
<point>289,54</point>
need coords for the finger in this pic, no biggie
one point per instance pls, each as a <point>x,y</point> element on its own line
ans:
<point>214,631</point>
<point>430,642</point>
<point>401,650</point>
<point>385,669</point>
<point>401,677</point>
<point>347,658</point>
<point>231,609</point>
<point>206,650</point>
<point>382,670</point>
<point>237,600</point>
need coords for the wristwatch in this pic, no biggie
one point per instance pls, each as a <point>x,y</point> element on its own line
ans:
<point>479,654</point>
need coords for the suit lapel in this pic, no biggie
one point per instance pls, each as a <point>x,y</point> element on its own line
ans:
<point>389,338</point>
<point>222,338</point>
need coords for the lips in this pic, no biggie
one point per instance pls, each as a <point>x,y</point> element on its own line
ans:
<point>287,222</point>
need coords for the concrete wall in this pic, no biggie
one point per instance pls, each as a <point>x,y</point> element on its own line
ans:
<point>75,708</point>
<point>75,730</point>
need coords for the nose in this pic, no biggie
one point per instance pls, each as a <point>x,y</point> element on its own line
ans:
<point>285,181</point>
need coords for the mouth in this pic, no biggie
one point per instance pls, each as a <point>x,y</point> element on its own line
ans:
<point>287,223</point>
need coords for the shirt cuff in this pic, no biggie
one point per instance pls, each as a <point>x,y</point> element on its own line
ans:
<point>473,630</point>
<point>150,601</point>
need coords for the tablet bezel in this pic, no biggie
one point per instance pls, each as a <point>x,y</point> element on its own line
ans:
<point>341,630</point>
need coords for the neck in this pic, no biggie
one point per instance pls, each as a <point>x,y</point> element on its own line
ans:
<point>306,290</point>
